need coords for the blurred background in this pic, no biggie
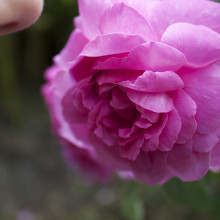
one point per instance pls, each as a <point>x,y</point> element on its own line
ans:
<point>35,182</point>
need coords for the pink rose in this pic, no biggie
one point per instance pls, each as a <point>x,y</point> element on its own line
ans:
<point>137,89</point>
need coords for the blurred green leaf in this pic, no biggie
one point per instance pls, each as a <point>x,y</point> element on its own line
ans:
<point>194,195</point>
<point>132,207</point>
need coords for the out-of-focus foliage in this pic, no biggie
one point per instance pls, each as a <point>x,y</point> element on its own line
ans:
<point>201,196</point>
<point>25,55</point>
<point>35,183</point>
<point>195,195</point>
<point>132,206</point>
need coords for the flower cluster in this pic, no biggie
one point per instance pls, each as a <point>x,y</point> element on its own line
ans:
<point>136,89</point>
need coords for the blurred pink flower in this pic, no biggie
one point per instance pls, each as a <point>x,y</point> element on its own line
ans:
<point>137,89</point>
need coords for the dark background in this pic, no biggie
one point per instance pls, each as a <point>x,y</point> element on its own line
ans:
<point>35,182</point>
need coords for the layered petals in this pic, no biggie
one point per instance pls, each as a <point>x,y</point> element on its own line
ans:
<point>116,19</point>
<point>205,143</point>
<point>155,82</point>
<point>197,12</point>
<point>92,14</point>
<point>208,118</point>
<point>169,135</point>
<point>109,44</point>
<point>154,56</point>
<point>156,102</point>
<point>199,44</point>
<point>150,168</point>
<point>73,48</point>
<point>186,109</point>
<point>187,164</point>
<point>136,90</point>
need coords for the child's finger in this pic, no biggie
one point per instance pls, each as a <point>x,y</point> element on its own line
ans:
<point>18,14</point>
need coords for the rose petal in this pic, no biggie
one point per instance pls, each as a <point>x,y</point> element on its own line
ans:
<point>81,68</point>
<point>62,82</point>
<point>144,7</point>
<point>186,109</point>
<point>127,132</point>
<point>156,102</point>
<point>128,114</point>
<point>116,76</point>
<point>168,12</point>
<point>108,44</point>
<point>117,18</point>
<point>91,15</point>
<point>132,149</point>
<point>72,49</point>
<point>152,135</point>
<point>150,168</point>
<point>204,143</point>
<point>110,62</point>
<point>149,115</point>
<point>154,56</point>
<point>86,161</point>
<point>169,135</point>
<point>215,156</point>
<point>187,164</point>
<point>200,44</point>
<point>120,100</point>
<point>143,123</point>
<point>155,82</point>
<point>110,155</point>
<point>126,175</point>
<point>203,86</point>
<point>73,110</point>
<point>105,135</point>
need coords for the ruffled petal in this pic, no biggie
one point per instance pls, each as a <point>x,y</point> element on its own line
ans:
<point>186,109</point>
<point>150,168</point>
<point>152,136</point>
<point>131,150</point>
<point>72,49</point>
<point>120,100</point>
<point>154,56</point>
<point>156,102</point>
<point>200,44</point>
<point>86,161</point>
<point>203,86</point>
<point>144,7</point>
<point>110,156</point>
<point>204,143</point>
<point>108,44</point>
<point>187,164</point>
<point>169,135</point>
<point>91,15</point>
<point>155,82</point>
<point>196,12</point>
<point>149,115</point>
<point>109,62</point>
<point>117,18</point>
<point>81,68</point>
<point>116,76</point>
<point>73,110</point>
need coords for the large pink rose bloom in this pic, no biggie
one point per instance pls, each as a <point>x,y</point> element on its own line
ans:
<point>137,89</point>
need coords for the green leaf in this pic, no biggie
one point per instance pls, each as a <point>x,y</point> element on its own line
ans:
<point>194,195</point>
<point>132,207</point>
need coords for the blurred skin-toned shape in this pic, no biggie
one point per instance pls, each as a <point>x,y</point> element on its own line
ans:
<point>16,15</point>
